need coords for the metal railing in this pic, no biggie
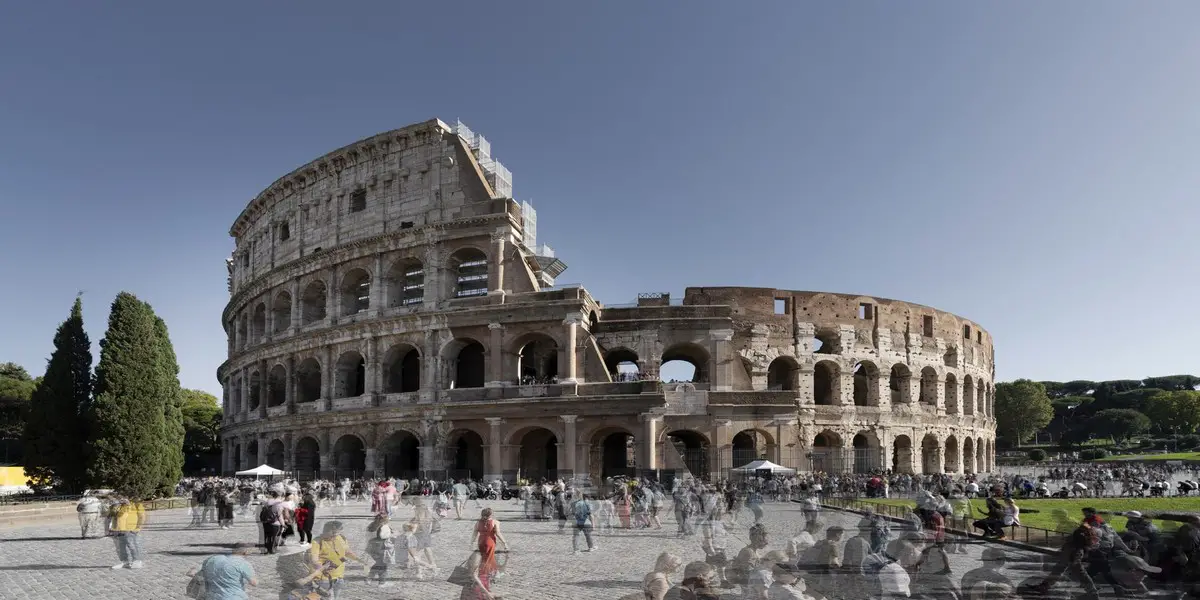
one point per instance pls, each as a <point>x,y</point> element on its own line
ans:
<point>1034,536</point>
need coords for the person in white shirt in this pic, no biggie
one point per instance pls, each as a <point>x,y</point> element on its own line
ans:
<point>89,516</point>
<point>802,541</point>
<point>460,498</point>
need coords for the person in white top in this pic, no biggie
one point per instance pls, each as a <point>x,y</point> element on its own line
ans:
<point>89,516</point>
<point>972,489</point>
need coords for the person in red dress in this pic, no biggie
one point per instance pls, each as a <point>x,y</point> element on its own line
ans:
<point>487,533</point>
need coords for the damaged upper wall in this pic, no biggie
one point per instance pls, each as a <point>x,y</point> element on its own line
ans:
<point>405,178</point>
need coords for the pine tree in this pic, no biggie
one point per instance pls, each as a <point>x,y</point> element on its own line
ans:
<point>127,417</point>
<point>171,468</point>
<point>56,433</point>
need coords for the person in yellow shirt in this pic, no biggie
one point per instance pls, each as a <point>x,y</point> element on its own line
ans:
<point>127,518</point>
<point>327,558</point>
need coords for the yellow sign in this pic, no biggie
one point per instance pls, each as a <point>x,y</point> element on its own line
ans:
<point>12,476</point>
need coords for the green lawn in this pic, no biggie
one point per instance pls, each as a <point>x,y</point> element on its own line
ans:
<point>1040,512</point>
<point>1157,457</point>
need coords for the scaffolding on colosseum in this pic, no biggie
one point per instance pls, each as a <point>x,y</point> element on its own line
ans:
<point>499,177</point>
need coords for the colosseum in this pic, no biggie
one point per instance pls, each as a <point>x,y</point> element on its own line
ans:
<point>392,314</point>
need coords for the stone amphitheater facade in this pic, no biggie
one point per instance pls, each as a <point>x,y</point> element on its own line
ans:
<point>387,316</point>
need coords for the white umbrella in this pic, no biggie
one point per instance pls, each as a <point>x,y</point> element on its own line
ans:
<point>759,465</point>
<point>261,471</point>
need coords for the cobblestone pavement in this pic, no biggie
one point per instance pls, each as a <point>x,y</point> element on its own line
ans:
<point>49,561</point>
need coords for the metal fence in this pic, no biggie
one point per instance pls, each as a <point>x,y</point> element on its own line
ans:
<point>1034,536</point>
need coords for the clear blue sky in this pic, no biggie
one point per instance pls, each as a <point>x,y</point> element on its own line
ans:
<point>1030,166</point>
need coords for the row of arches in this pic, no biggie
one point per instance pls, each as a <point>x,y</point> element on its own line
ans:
<point>403,285</point>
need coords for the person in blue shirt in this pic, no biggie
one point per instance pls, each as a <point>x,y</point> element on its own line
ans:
<point>226,575</point>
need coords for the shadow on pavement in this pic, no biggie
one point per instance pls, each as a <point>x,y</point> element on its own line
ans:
<point>44,539</point>
<point>48,567</point>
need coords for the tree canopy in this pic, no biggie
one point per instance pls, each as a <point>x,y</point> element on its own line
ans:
<point>1022,409</point>
<point>1118,423</point>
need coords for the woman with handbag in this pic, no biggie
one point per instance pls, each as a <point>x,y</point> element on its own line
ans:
<point>475,582</point>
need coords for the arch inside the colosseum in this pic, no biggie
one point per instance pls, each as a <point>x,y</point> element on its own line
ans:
<point>255,391</point>
<point>240,338</point>
<point>258,323</point>
<point>537,454</point>
<point>537,359</point>
<point>622,364</point>
<point>308,458</point>
<point>953,460</point>
<point>235,394</point>
<point>902,454</point>
<point>900,384</point>
<point>465,454</point>
<point>281,313</point>
<point>827,383</point>
<point>277,386</point>
<point>826,452</point>
<point>350,379</point>
<point>750,445</point>
<point>980,398</point>
<point>827,341</point>
<point>950,358</point>
<point>783,374</point>
<point>968,452</point>
<point>313,303</point>
<point>468,364</point>
<point>687,450</point>
<point>929,380</point>
<point>275,454</point>
<point>612,452</point>
<point>356,292</point>
<point>402,369</point>
<point>401,455</point>
<point>251,458</point>
<point>968,395</point>
<point>238,458</point>
<point>470,267</point>
<point>867,452</point>
<point>931,449</point>
<point>308,380</point>
<point>677,359</point>
<point>866,384</point>
<point>406,283</point>
<point>951,392</point>
<point>349,456</point>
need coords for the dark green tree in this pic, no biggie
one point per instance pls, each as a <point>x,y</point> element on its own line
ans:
<point>56,433</point>
<point>1118,423</point>
<point>202,425</point>
<point>16,388</point>
<point>127,419</point>
<point>167,371</point>
<point>11,370</point>
<point>1079,387</point>
<point>1022,409</point>
<point>1173,383</point>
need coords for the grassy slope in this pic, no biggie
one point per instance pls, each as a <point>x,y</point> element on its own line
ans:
<point>1157,457</point>
<point>1044,517</point>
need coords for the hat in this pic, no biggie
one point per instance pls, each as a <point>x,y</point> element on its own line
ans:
<point>1133,514</point>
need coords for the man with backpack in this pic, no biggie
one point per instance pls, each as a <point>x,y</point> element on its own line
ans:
<point>584,522</point>
<point>271,517</point>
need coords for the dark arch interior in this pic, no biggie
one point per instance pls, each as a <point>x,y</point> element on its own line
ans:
<point>403,371</point>
<point>538,454</point>
<point>401,456</point>
<point>538,361</point>
<point>312,303</point>
<point>782,374</point>
<point>308,380</point>
<point>351,376</point>
<point>615,450</point>
<point>901,454</point>
<point>824,378</point>
<point>466,458</point>
<point>277,386</point>
<point>691,451</point>
<point>308,459</point>
<point>349,457</point>
<point>469,367</point>
<point>690,354</point>
<point>622,364</point>
<point>275,454</point>
<point>746,448</point>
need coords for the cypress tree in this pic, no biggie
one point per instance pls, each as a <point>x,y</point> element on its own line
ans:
<point>127,417</point>
<point>56,433</point>
<point>171,467</point>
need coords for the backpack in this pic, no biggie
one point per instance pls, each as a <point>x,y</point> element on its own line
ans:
<point>265,514</point>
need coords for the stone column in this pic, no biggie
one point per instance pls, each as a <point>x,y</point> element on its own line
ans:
<point>940,394</point>
<point>495,466</point>
<point>325,455</point>
<point>720,451</point>
<point>297,317</point>
<point>430,367</point>
<point>327,377</point>
<point>289,454</point>
<point>722,377</point>
<point>885,449</point>
<point>245,385</point>
<point>289,390</point>
<point>496,273</point>
<point>262,449</point>
<point>495,359</point>
<point>369,462</point>
<point>572,324</point>
<point>848,457</point>
<point>569,441</point>
<point>649,441</point>
<point>371,385</point>
<point>332,295</point>
<point>883,387</point>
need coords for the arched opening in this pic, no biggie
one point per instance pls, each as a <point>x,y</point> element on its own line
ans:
<point>900,384</point>
<point>929,386</point>
<point>234,391</point>
<point>401,455</point>
<point>537,360</point>
<point>469,365</point>
<point>238,459</point>
<point>950,358</point>
<point>827,341</point>
<point>538,454</point>
<point>930,455</point>
<point>951,391</point>
<point>466,455</point>
<point>748,446</point>
<point>688,451</point>
<point>281,312</point>
<point>402,365</point>
<point>866,384</point>
<point>258,324</point>
<point>252,453</point>
<point>622,364</point>
<point>825,450</point>
<point>952,458</point>
<point>617,452</point>
<point>902,454</point>
<point>242,342</point>
<point>275,454</point>
<point>356,292</point>
<point>684,362</point>
<point>255,390</point>
<point>968,456</point>
<point>350,380</point>
<point>406,283</point>
<point>980,398</point>
<point>968,396</point>
<point>470,268</point>
<point>308,380</point>
<point>308,458</point>
<point>783,374</point>
<point>312,303</point>
<point>277,386</point>
<point>826,388</point>
<point>866,452</point>
<point>349,456</point>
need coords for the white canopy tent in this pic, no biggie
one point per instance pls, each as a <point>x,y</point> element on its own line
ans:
<point>260,471</point>
<point>756,466</point>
